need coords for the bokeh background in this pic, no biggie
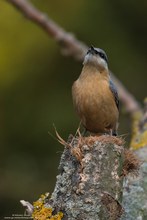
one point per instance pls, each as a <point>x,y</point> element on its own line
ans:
<point>35,85</point>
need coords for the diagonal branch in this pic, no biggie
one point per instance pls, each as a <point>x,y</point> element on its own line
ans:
<point>70,46</point>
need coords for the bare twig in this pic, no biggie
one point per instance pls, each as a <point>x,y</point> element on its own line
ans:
<point>28,205</point>
<point>70,46</point>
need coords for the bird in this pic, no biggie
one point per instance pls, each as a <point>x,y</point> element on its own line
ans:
<point>95,96</point>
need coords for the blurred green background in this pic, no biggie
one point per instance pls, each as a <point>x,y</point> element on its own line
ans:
<point>35,84</point>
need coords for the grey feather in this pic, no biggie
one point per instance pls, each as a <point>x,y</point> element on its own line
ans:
<point>114,92</point>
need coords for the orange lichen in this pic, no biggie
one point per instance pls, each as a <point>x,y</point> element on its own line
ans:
<point>42,212</point>
<point>139,136</point>
<point>139,140</point>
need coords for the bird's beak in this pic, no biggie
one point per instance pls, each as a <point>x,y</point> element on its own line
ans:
<point>91,50</point>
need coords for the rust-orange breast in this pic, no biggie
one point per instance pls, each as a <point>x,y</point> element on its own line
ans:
<point>94,102</point>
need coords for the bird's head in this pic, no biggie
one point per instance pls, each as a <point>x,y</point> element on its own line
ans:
<point>96,57</point>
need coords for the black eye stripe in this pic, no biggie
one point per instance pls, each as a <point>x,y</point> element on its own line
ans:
<point>88,51</point>
<point>102,55</point>
<point>97,51</point>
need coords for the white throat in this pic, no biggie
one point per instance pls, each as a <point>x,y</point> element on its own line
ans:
<point>96,61</point>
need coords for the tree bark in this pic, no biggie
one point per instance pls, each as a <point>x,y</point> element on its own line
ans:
<point>135,191</point>
<point>89,185</point>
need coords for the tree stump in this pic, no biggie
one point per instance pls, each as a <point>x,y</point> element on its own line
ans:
<point>89,185</point>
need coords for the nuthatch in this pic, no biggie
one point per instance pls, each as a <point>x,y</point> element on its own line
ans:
<point>95,97</point>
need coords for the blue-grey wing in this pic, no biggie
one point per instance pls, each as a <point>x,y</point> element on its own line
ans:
<point>114,92</point>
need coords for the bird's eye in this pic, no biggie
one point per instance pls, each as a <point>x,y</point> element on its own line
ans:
<point>102,55</point>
